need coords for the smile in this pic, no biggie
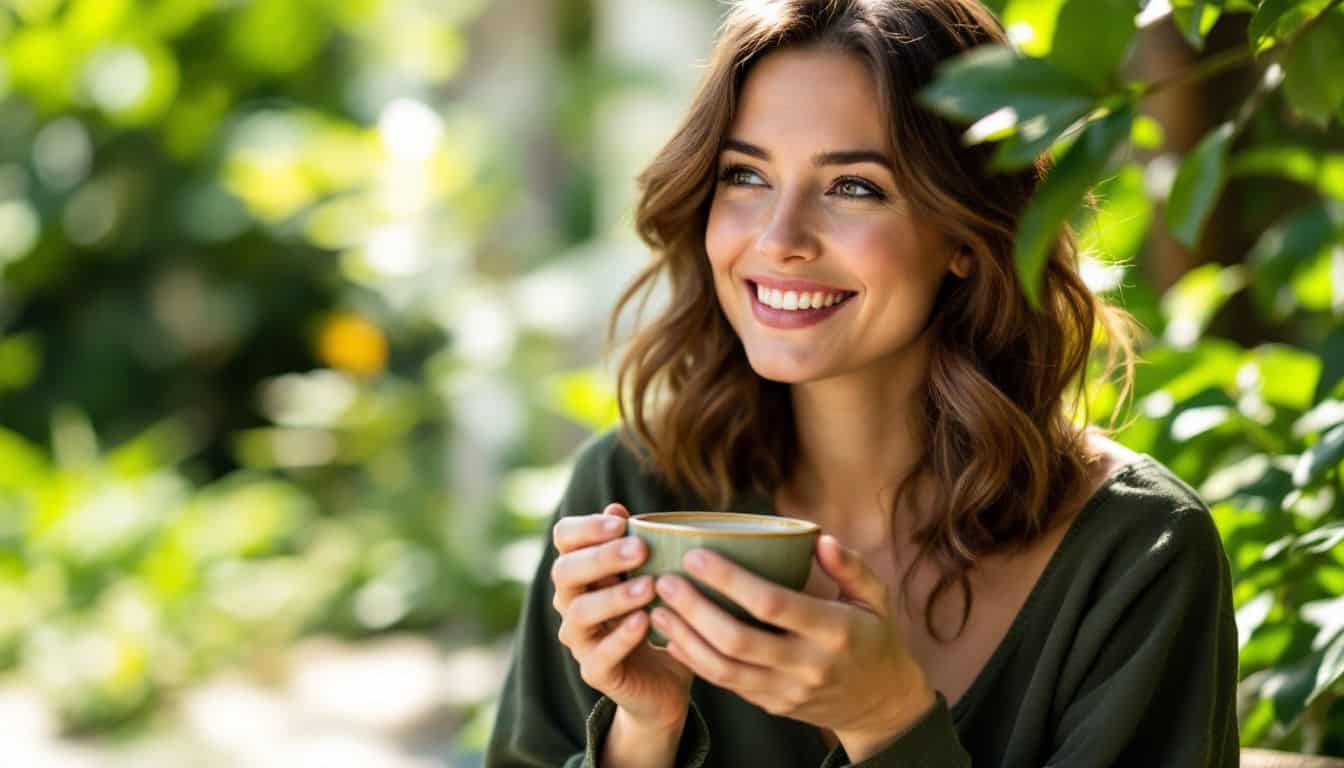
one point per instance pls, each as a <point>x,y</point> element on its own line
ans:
<point>799,316</point>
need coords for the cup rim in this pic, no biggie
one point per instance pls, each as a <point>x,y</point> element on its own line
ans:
<point>681,523</point>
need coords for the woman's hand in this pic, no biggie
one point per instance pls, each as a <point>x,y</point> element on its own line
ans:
<point>603,624</point>
<point>840,664</point>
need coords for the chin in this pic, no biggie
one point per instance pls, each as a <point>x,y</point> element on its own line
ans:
<point>782,371</point>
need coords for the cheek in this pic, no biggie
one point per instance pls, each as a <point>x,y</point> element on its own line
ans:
<point>726,234</point>
<point>892,256</point>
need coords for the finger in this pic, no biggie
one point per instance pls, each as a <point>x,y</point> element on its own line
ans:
<point>575,572</point>
<point>571,533</point>
<point>729,636</point>
<point>612,649</point>
<point>858,583</point>
<point>704,660</point>
<point>615,510</point>
<point>594,609</point>
<point>769,602</point>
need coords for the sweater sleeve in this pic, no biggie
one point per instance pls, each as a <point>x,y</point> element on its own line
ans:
<point>548,717</point>
<point>1151,676</point>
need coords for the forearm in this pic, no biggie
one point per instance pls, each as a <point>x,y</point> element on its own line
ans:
<point>634,745</point>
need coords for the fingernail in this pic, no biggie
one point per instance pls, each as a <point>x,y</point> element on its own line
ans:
<point>695,560</point>
<point>668,586</point>
<point>638,587</point>
<point>630,549</point>
<point>613,525</point>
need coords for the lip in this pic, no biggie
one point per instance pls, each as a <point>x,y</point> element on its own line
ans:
<point>790,318</point>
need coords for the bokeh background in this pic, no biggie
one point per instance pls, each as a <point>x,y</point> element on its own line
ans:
<point>301,318</point>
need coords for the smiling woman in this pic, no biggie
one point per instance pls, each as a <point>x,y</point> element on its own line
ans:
<point>847,342</point>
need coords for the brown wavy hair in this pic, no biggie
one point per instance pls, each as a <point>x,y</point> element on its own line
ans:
<point>1005,403</point>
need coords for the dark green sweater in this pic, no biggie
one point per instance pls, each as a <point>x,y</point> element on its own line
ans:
<point>1125,653</point>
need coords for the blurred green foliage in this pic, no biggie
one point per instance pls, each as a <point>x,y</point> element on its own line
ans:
<point>233,238</point>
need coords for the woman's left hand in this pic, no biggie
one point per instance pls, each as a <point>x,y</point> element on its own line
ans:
<point>840,664</point>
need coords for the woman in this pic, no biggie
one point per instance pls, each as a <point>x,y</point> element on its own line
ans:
<point>846,343</point>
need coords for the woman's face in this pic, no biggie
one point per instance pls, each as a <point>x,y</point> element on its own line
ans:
<point>806,205</point>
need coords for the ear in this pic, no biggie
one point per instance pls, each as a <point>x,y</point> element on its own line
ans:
<point>961,262</point>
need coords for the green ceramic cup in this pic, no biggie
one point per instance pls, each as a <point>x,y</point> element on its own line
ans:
<point>775,548</point>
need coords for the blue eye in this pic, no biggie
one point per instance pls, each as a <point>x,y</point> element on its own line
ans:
<point>740,175</point>
<point>850,187</point>
<point>858,189</point>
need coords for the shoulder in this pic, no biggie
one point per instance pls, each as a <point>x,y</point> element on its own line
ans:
<point>610,467</point>
<point>1141,489</point>
<point>1145,516</point>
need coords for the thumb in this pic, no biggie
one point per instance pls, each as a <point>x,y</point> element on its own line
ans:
<point>858,584</point>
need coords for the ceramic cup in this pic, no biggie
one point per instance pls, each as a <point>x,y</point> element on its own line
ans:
<point>775,548</point>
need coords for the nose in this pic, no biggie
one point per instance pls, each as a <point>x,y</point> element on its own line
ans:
<point>788,231</point>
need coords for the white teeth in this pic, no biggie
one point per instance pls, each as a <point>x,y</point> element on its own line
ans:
<point>792,300</point>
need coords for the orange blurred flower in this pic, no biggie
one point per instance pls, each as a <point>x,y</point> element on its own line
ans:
<point>351,343</point>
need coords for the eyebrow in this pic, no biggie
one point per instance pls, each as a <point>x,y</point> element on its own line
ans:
<point>842,157</point>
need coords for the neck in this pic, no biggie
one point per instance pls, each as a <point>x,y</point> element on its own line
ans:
<point>858,436</point>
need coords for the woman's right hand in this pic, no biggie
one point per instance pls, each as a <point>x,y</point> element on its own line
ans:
<point>604,624</point>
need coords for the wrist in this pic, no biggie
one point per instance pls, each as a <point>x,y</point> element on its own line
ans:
<point>656,729</point>
<point>634,743</point>
<point>862,743</point>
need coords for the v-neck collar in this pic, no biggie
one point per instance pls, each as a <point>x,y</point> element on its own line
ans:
<point>965,703</point>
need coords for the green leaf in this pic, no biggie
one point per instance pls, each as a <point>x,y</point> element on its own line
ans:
<point>1120,226</point>
<point>1284,248</point>
<point>1275,19</point>
<point>1269,645</point>
<point>1031,24</point>
<point>1298,684</point>
<point>1319,541</point>
<point>994,77</point>
<point>1286,375</point>
<point>1033,137</point>
<point>1255,485</point>
<point>1193,300</point>
<point>1309,165</point>
<point>1195,18</point>
<point>1320,457</point>
<point>1265,20</point>
<point>1180,374</point>
<point>1061,193</point>
<point>1317,283</point>
<point>1025,101</point>
<point>1331,670</point>
<point>1332,365</point>
<point>1198,183</point>
<point>1092,37</point>
<point>1313,82</point>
